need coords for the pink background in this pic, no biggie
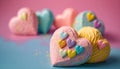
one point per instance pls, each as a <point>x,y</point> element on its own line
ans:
<point>107,10</point>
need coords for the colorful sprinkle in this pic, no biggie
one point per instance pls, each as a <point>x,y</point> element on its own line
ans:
<point>63,35</point>
<point>79,49</point>
<point>63,53</point>
<point>90,16</point>
<point>62,43</point>
<point>71,53</point>
<point>101,44</point>
<point>24,16</point>
<point>71,43</point>
<point>97,24</point>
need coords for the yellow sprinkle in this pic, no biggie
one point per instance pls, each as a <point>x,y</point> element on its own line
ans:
<point>90,16</point>
<point>71,53</point>
<point>24,16</point>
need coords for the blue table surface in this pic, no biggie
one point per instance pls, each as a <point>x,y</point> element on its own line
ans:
<point>34,54</point>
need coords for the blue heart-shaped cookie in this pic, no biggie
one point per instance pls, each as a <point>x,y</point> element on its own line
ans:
<point>46,19</point>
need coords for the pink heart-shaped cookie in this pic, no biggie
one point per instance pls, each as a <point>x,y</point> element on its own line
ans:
<point>74,52</point>
<point>25,23</point>
<point>66,18</point>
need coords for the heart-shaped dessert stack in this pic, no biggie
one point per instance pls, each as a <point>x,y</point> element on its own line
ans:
<point>101,47</point>
<point>25,23</point>
<point>67,49</point>
<point>88,18</point>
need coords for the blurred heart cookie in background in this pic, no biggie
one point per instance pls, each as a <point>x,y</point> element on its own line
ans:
<point>25,23</point>
<point>66,18</point>
<point>45,19</point>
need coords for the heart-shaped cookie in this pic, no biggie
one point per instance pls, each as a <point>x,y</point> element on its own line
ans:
<point>45,19</point>
<point>25,23</point>
<point>101,47</point>
<point>88,18</point>
<point>66,18</point>
<point>77,53</point>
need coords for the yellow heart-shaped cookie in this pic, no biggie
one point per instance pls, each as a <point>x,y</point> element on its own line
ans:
<point>62,43</point>
<point>90,16</point>
<point>71,53</point>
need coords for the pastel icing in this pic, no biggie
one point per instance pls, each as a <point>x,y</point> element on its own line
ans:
<point>23,16</point>
<point>62,43</point>
<point>63,35</point>
<point>69,56</point>
<point>101,46</point>
<point>71,53</point>
<point>66,18</point>
<point>45,19</point>
<point>25,23</point>
<point>63,53</point>
<point>79,49</point>
<point>71,43</point>
<point>88,18</point>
